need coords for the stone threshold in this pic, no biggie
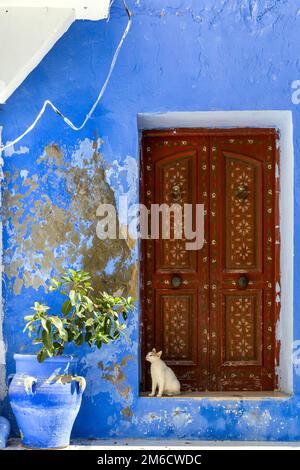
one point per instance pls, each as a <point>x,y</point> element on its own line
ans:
<point>224,396</point>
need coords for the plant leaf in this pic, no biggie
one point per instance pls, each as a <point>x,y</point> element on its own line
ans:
<point>41,355</point>
<point>72,295</point>
<point>66,307</point>
<point>44,324</point>
<point>47,341</point>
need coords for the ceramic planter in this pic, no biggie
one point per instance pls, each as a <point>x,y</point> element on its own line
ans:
<point>45,398</point>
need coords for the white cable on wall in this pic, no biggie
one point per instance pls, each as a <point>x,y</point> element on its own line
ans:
<point>91,111</point>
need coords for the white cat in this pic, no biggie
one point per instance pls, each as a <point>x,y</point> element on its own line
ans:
<point>162,376</point>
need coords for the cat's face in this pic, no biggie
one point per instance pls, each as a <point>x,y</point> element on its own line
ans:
<point>153,356</point>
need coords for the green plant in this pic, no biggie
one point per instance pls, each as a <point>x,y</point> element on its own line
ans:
<point>85,317</point>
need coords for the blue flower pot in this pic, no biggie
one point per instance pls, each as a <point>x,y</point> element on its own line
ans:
<point>45,398</point>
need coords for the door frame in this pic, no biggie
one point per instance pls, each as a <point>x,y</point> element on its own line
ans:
<point>212,122</point>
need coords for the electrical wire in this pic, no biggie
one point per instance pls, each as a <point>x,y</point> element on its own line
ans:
<point>92,109</point>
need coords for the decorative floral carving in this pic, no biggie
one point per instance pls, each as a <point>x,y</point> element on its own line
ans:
<point>175,175</point>
<point>241,213</point>
<point>175,253</point>
<point>241,314</point>
<point>176,326</point>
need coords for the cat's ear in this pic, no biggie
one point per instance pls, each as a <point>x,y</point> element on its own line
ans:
<point>154,350</point>
<point>159,354</point>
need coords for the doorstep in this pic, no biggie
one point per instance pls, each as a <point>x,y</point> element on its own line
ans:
<point>225,396</point>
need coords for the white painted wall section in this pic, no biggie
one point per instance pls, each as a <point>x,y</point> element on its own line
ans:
<point>83,9</point>
<point>30,28</point>
<point>26,35</point>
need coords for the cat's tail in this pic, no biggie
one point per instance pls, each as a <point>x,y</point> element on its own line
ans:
<point>176,390</point>
<point>174,393</point>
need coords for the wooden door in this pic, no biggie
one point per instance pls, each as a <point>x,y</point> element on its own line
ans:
<point>243,260</point>
<point>175,317</point>
<point>212,311</point>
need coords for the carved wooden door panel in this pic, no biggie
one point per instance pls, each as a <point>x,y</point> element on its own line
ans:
<point>175,280</point>
<point>242,258</point>
<point>213,311</point>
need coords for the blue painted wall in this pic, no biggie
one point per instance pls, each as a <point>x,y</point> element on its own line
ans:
<point>181,55</point>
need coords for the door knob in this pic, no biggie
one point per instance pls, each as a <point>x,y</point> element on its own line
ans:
<point>243,282</point>
<point>242,191</point>
<point>176,281</point>
<point>176,192</point>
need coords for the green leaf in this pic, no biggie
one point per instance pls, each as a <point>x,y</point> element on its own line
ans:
<point>47,341</point>
<point>66,307</point>
<point>40,308</point>
<point>90,304</point>
<point>45,324</point>
<point>79,340</point>
<point>56,322</point>
<point>29,317</point>
<point>41,355</point>
<point>37,341</point>
<point>80,315</point>
<point>70,335</point>
<point>88,337</point>
<point>107,325</point>
<point>63,334</point>
<point>28,326</point>
<point>72,295</point>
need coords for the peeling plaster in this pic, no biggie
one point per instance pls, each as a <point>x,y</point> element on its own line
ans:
<point>48,234</point>
<point>12,151</point>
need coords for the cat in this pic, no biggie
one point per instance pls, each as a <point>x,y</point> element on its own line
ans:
<point>162,376</point>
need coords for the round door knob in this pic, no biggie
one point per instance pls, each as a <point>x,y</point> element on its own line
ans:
<point>176,192</point>
<point>243,282</point>
<point>242,191</point>
<point>176,281</point>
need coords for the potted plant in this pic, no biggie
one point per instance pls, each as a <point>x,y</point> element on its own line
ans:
<point>45,393</point>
